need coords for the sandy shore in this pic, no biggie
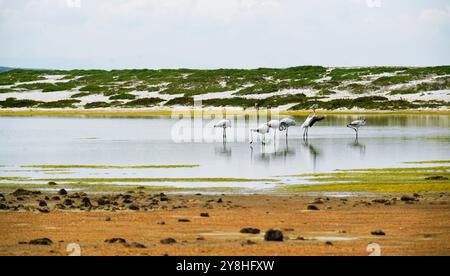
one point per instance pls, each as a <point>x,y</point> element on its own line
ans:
<point>211,224</point>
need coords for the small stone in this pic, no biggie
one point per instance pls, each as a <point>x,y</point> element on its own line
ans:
<point>219,200</point>
<point>41,241</point>
<point>273,235</point>
<point>42,203</point>
<point>381,201</point>
<point>86,202</point>
<point>60,206</point>
<point>407,198</point>
<point>23,192</point>
<point>161,222</point>
<point>44,210</point>
<point>250,230</point>
<point>52,183</point>
<point>3,206</point>
<point>328,243</point>
<point>205,215</point>
<point>56,198</point>
<point>168,241</point>
<point>62,192</point>
<point>103,201</point>
<point>317,201</point>
<point>116,240</point>
<point>312,207</point>
<point>184,220</point>
<point>437,177</point>
<point>248,242</point>
<point>133,207</point>
<point>127,201</point>
<point>108,219</point>
<point>68,202</point>
<point>200,238</point>
<point>378,232</point>
<point>135,245</point>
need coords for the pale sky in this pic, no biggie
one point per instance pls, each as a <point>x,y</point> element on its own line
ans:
<point>106,34</point>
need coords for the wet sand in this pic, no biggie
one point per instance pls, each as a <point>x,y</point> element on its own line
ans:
<point>416,225</point>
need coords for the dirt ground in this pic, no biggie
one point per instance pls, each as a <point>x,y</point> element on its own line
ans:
<point>342,226</point>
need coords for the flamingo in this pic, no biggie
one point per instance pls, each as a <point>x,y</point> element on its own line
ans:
<point>310,121</point>
<point>275,124</point>
<point>262,129</point>
<point>355,125</point>
<point>223,124</point>
<point>285,123</point>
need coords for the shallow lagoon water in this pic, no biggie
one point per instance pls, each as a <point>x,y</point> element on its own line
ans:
<point>386,141</point>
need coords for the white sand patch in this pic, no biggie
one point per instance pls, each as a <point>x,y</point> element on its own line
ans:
<point>146,94</point>
<point>219,95</point>
<point>441,95</point>
<point>37,95</point>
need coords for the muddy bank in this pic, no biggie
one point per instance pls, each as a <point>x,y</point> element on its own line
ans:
<point>143,223</point>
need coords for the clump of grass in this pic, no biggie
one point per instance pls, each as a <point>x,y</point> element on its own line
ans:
<point>420,179</point>
<point>185,101</point>
<point>325,92</point>
<point>15,103</point>
<point>93,88</point>
<point>102,104</point>
<point>144,102</point>
<point>124,96</point>
<point>429,162</point>
<point>7,90</point>
<point>80,95</point>
<point>19,75</point>
<point>48,87</point>
<point>59,104</point>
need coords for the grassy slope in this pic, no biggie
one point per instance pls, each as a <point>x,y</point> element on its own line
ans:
<point>186,83</point>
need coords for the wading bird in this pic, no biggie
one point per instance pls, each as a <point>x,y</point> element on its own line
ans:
<point>310,121</point>
<point>355,125</point>
<point>285,123</point>
<point>262,129</point>
<point>223,124</point>
<point>274,124</point>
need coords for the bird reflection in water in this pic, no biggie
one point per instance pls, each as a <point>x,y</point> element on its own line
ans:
<point>313,152</point>
<point>223,150</point>
<point>356,145</point>
<point>272,151</point>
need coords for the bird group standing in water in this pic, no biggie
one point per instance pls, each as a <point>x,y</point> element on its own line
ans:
<point>284,125</point>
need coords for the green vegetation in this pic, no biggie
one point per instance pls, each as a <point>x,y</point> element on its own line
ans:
<point>144,180</point>
<point>117,85</point>
<point>59,104</point>
<point>109,166</point>
<point>420,179</point>
<point>18,75</point>
<point>438,84</point>
<point>80,95</point>
<point>124,96</point>
<point>144,102</point>
<point>48,87</point>
<point>102,104</point>
<point>370,102</point>
<point>186,101</point>
<point>15,103</point>
<point>429,162</point>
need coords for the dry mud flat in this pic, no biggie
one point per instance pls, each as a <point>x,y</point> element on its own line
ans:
<point>142,223</point>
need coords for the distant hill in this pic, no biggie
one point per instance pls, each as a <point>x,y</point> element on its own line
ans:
<point>4,69</point>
